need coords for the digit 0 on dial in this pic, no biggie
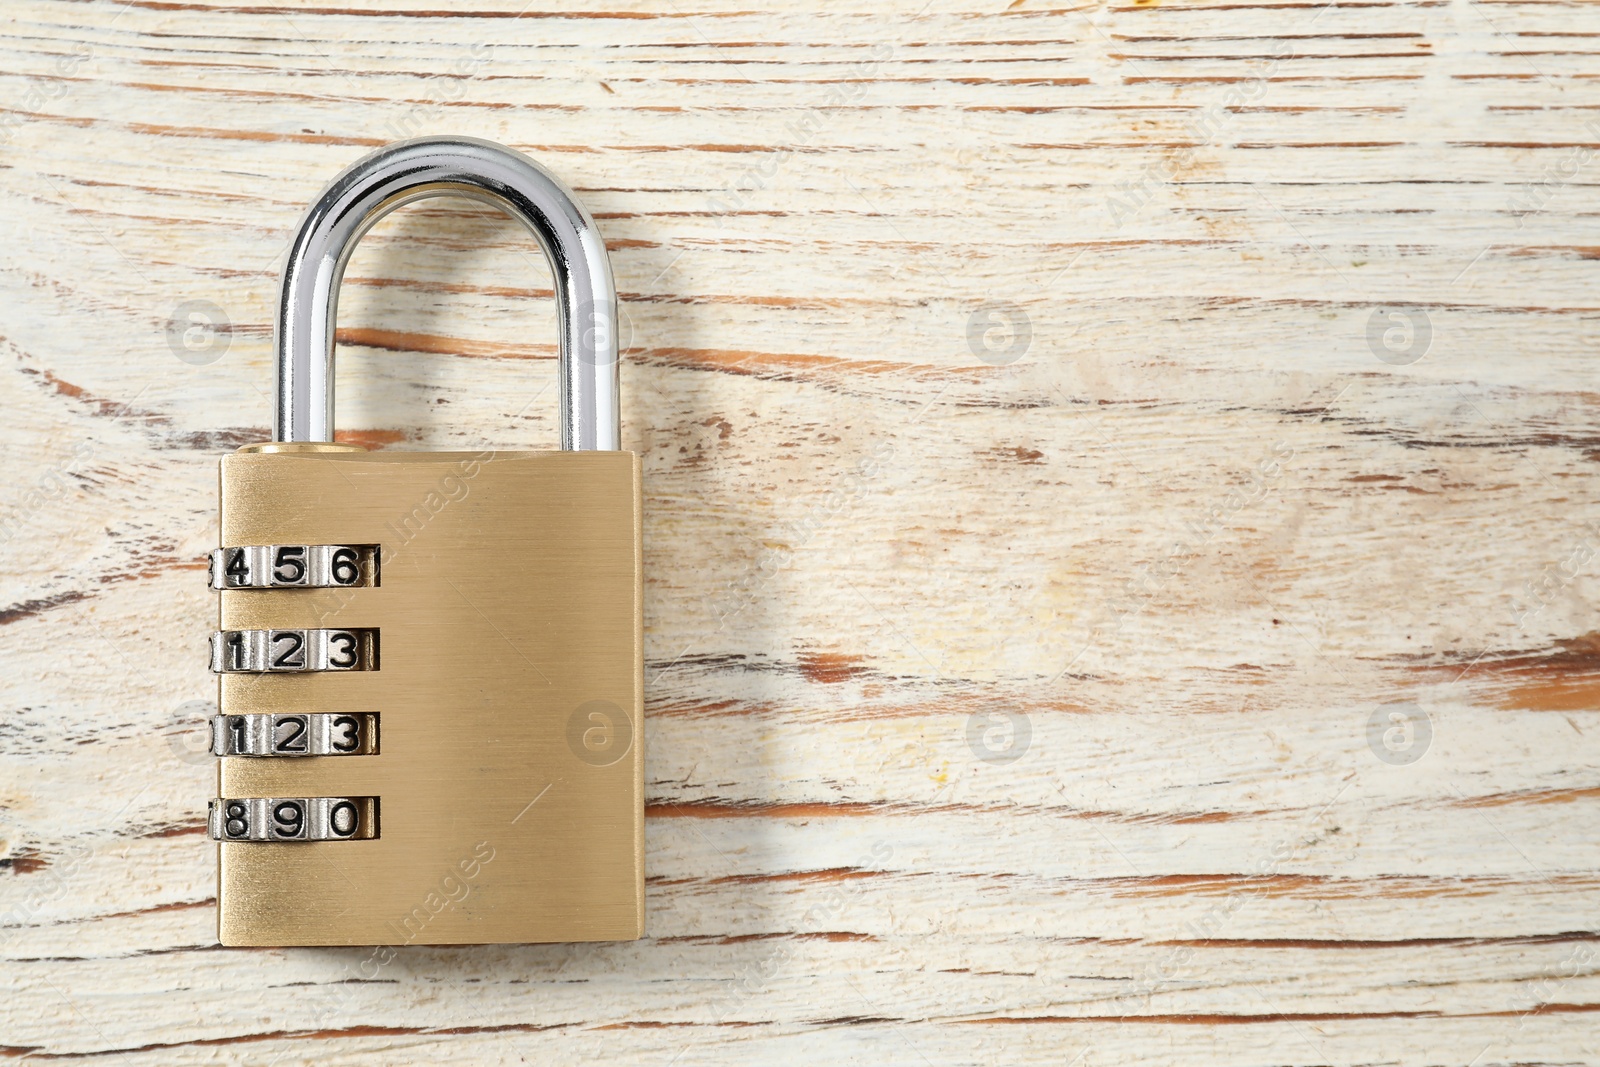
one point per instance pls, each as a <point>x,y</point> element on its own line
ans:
<point>294,818</point>
<point>295,566</point>
<point>317,734</point>
<point>273,651</point>
<point>510,606</point>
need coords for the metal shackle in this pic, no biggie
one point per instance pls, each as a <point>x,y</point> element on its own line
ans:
<point>397,174</point>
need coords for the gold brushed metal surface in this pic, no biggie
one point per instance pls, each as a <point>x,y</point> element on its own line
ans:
<point>510,614</point>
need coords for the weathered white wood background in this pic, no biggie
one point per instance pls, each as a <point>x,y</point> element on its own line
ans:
<point>1007,381</point>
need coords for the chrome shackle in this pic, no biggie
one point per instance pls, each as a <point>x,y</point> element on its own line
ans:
<point>405,171</point>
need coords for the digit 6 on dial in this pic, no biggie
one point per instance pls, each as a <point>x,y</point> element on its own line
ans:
<point>294,566</point>
<point>345,567</point>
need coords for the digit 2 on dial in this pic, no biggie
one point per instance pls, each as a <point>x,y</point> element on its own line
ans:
<point>276,651</point>
<point>310,734</point>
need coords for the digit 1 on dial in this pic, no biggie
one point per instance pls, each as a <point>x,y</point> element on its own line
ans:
<point>279,651</point>
<point>310,734</point>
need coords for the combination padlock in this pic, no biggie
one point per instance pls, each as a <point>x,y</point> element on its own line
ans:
<point>431,664</point>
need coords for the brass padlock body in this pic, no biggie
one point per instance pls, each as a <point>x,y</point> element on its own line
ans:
<point>509,608</point>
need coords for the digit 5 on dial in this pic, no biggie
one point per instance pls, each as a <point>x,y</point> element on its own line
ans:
<point>431,664</point>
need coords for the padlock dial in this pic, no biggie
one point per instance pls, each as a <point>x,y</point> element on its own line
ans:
<point>295,566</point>
<point>318,734</point>
<point>262,819</point>
<point>293,651</point>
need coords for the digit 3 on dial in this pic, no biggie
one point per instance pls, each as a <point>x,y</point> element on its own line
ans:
<point>485,664</point>
<point>317,734</point>
<point>270,651</point>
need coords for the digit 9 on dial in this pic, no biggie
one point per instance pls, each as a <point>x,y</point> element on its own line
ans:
<point>293,819</point>
<point>522,604</point>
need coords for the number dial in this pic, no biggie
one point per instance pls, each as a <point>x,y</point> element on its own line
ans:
<point>294,819</point>
<point>316,734</point>
<point>294,566</point>
<point>278,651</point>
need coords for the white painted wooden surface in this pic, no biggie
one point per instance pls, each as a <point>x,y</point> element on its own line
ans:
<point>1185,528</point>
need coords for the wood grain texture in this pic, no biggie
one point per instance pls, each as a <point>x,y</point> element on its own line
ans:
<point>1004,375</point>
